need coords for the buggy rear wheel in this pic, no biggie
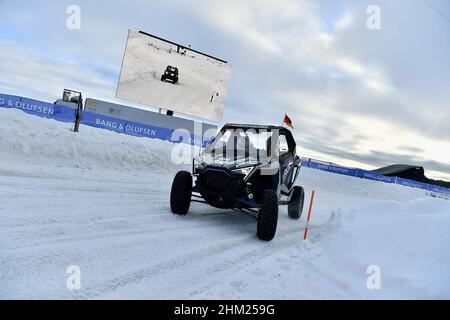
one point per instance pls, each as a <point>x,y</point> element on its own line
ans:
<point>295,206</point>
<point>268,216</point>
<point>180,195</point>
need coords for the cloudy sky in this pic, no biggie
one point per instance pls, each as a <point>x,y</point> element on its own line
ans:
<point>357,97</point>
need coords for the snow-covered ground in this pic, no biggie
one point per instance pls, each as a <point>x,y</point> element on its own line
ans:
<point>200,78</point>
<point>100,200</point>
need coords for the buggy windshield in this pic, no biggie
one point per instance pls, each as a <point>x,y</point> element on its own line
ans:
<point>241,144</point>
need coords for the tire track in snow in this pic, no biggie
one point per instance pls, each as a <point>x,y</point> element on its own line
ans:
<point>247,248</point>
<point>164,267</point>
<point>61,241</point>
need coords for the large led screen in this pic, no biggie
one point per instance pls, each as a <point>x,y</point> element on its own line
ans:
<point>163,74</point>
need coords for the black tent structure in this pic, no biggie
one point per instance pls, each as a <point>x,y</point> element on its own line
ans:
<point>411,172</point>
<point>415,173</point>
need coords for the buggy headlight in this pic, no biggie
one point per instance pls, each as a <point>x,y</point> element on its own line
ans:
<point>244,171</point>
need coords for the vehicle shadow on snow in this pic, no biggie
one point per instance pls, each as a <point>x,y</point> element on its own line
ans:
<point>222,219</point>
<point>225,222</point>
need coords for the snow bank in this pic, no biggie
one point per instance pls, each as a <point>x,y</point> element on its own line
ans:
<point>30,144</point>
<point>100,200</point>
<point>407,241</point>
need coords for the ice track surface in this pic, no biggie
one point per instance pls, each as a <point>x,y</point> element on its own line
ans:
<point>100,200</point>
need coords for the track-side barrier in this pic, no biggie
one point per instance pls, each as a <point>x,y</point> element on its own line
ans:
<point>369,175</point>
<point>38,108</point>
<point>67,114</point>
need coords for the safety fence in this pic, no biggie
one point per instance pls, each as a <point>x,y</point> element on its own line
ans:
<point>68,114</point>
<point>369,175</point>
<point>38,108</point>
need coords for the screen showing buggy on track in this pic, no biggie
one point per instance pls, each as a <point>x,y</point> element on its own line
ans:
<point>163,74</point>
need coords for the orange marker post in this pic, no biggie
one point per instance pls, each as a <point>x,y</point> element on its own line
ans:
<point>309,215</point>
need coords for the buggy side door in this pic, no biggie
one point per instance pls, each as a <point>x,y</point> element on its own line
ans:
<point>288,168</point>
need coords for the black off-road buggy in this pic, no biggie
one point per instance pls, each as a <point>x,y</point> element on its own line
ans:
<point>247,168</point>
<point>170,74</point>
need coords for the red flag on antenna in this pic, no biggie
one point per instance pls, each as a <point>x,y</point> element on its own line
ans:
<point>287,121</point>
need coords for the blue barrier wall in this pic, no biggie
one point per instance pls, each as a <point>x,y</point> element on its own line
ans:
<point>67,114</point>
<point>141,130</point>
<point>363,174</point>
<point>38,108</point>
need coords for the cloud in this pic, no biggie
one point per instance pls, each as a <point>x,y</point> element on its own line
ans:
<point>344,22</point>
<point>358,97</point>
<point>263,24</point>
<point>332,83</point>
<point>25,72</point>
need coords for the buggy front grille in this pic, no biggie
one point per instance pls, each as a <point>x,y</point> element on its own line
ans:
<point>216,180</point>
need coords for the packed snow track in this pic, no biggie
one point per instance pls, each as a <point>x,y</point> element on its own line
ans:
<point>100,201</point>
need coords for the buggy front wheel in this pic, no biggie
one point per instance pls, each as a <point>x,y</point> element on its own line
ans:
<point>180,195</point>
<point>268,216</point>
